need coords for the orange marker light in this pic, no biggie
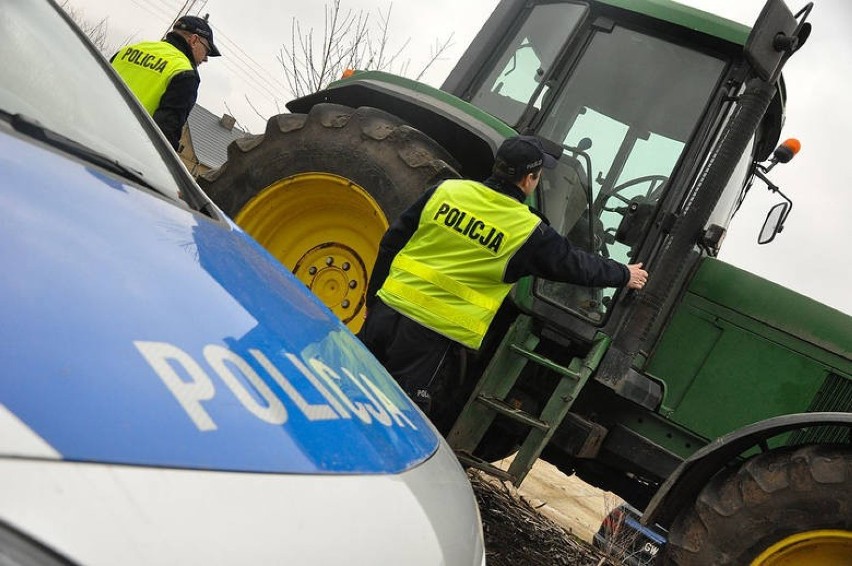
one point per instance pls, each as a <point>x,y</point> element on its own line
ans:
<point>349,72</point>
<point>787,150</point>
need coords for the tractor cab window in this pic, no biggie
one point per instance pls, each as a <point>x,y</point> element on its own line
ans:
<point>517,75</point>
<point>624,116</point>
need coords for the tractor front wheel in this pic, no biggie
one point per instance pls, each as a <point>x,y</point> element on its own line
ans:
<point>789,506</point>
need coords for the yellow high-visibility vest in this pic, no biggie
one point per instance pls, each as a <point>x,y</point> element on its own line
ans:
<point>148,67</point>
<point>449,276</point>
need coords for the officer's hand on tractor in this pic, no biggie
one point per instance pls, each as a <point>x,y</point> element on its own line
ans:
<point>638,276</point>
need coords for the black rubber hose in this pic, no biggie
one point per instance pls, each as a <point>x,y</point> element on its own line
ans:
<point>668,271</point>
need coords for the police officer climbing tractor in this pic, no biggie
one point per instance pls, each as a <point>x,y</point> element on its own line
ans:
<point>446,264</point>
<point>164,74</point>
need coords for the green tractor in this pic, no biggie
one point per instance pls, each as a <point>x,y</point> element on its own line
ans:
<point>717,402</point>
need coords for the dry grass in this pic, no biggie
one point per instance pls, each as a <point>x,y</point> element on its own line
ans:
<point>517,534</point>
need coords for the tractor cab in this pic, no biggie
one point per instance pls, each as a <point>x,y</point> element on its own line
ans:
<point>633,101</point>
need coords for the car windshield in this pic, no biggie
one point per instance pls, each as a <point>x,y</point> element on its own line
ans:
<point>53,80</point>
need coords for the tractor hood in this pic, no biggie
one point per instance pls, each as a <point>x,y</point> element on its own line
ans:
<point>138,332</point>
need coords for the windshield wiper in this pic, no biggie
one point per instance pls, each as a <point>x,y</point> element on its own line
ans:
<point>33,128</point>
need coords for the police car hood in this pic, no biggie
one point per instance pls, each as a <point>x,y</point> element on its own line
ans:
<point>137,332</point>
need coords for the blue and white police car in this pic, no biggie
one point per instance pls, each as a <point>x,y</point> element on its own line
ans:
<point>169,393</point>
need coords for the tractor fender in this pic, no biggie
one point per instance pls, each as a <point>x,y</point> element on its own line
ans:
<point>470,135</point>
<point>684,484</point>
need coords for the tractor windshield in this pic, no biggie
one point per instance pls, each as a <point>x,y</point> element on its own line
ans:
<point>624,110</point>
<point>631,103</point>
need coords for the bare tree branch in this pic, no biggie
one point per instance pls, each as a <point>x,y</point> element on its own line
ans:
<point>237,123</point>
<point>97,32</point>
<point>349,41</point>
<point>435,55</point>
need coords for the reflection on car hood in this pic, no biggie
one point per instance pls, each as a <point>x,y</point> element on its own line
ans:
<point>99,514</point>
<point>137,332</point>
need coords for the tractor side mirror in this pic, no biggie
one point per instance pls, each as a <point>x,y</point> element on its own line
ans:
<point>776,35</point>
<point>774,223</point>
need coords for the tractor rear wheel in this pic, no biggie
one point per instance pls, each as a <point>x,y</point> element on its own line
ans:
<point>790,506</point>
<point>318,191</point>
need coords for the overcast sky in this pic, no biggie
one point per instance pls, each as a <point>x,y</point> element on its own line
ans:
<point>811,256</point>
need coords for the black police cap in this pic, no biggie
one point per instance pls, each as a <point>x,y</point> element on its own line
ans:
<point>522,155</point>
<point>200,27</point>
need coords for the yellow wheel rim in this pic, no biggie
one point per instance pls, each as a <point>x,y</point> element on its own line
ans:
<point>814,548</point>
<point>326,230</point>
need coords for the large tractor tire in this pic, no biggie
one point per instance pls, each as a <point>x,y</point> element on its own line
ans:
<point>318,191</point>
<point>790,506</point>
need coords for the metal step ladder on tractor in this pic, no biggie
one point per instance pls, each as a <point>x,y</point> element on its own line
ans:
<point>489,400</point>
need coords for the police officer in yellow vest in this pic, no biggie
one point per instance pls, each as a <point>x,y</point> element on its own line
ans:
<point>164,74</point>
<point>445,266</point>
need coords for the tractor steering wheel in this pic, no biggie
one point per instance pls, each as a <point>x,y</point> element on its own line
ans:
<point>655,182</point>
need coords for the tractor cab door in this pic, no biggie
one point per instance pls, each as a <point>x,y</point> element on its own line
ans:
<point>627,101</point>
